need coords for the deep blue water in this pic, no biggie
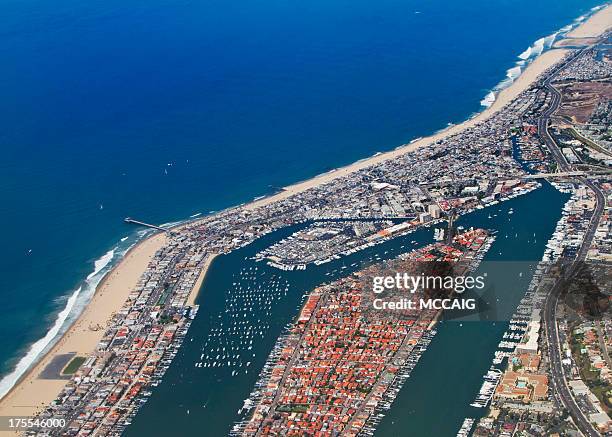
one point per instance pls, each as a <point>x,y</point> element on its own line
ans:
<point>98,97</point>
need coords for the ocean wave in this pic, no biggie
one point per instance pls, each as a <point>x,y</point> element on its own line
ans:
<point>514,72</point>
<point>38,347</point>
<point>141,233</point>
<point>124,238</point>
<point>532,52</point>
<point>580,19</point>
<point>538,47</point>
<point>511,75</point>
<point>488,100</point>
<point>550,39</point>
<point>76,301</point>
<point>171,224</point>
<point>101,262</point>
<point>526,54</point>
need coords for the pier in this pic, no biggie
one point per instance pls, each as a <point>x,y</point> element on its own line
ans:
<point>148,225</point>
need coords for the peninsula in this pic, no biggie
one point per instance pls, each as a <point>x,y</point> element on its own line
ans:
<point>97,375</point>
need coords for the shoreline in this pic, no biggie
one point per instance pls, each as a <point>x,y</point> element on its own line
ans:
<point>595,25</point>
<point>30,393</point>
<point>505,96</point>
<point>540,64</point>
<point>592,27</point>
<point>195,291</point>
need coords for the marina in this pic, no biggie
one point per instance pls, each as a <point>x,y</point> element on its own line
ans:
<point>340,338</point>
<point>304,250</point>
<point>239,385</point>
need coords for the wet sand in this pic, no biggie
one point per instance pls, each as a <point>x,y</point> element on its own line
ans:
<point>32,393</point>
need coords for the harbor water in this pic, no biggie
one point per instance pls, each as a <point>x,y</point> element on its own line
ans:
<point>245,306</point>
<point>165,110</point>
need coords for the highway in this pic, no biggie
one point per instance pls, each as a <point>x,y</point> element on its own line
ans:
<point>552,334</point>
<point>555,352</point>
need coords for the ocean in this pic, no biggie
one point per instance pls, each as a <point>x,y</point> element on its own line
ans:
<point>161,110</point>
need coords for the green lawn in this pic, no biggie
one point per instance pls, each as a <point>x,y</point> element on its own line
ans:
<point>73,365</point>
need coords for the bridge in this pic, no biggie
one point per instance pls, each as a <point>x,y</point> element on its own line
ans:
<point>565,174</point>
<point>561,174</point>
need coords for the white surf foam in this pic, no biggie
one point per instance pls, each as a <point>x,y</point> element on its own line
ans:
<point>141,233</point>
<point>531,53</point>
<point>550,40</point>
<point>580,19</point>
<point>538,47</point>
<point>526,54</point>
<point>170,224</point>
<point>488,100</point>
<point>38,347</point>
<point>513,73</point>
<point>75,302</point>
<point>101,262</point>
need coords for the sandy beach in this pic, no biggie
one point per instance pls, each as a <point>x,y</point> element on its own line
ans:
<point>196,288</point>
<point>32,393</point>
<point>532,72</point>
<point>595,25</point>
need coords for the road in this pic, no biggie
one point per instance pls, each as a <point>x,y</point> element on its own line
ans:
<point>558,378</point>
<point>602,344</point>
<point>138,330</point>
